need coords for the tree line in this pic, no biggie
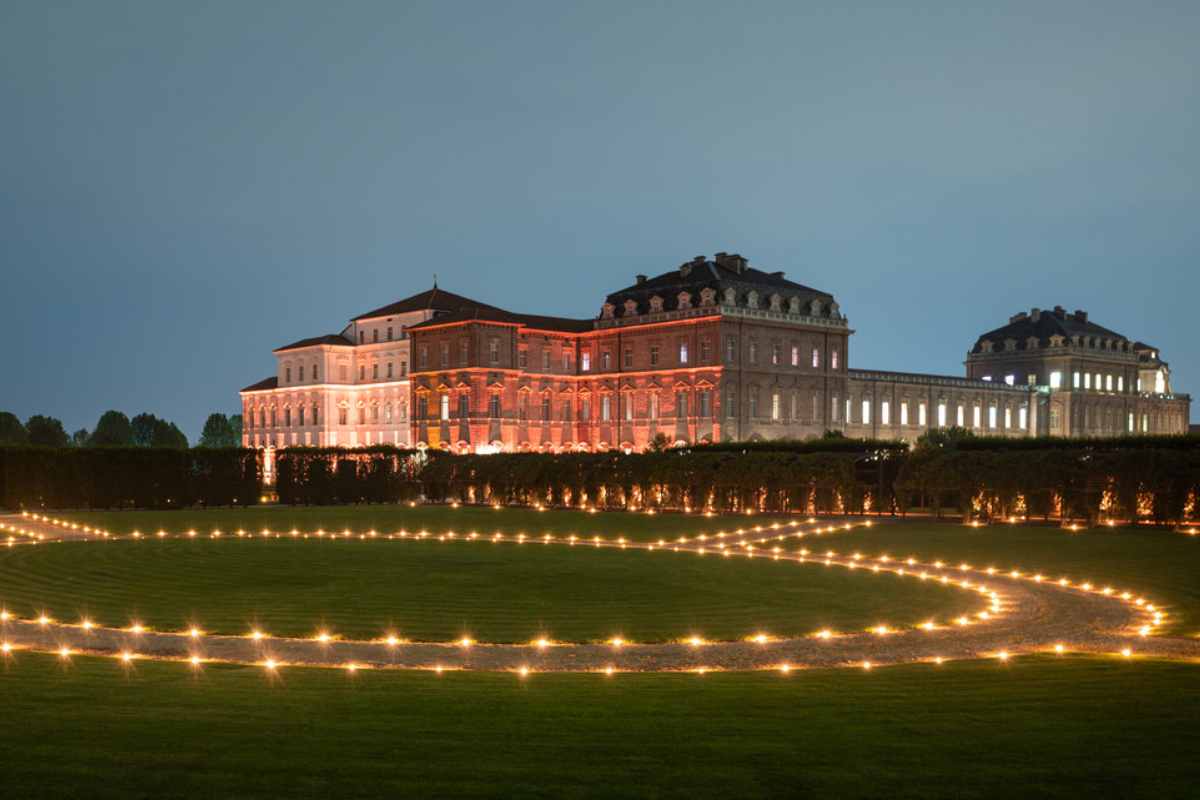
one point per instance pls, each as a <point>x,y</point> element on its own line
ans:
<point>115,429</point>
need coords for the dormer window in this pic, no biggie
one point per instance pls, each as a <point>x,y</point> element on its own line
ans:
<point>814,308</point>
<point>985,345</point>
<point>793,305</point>
<point>685,301</point>
<point>656,305</point>
<point>1010,344</point>
<point>607,310</point>
<point>776,302</point>
<point>631,307</point>
<point>752,299</point>
<point>731,297</point>
<point>708,297</point>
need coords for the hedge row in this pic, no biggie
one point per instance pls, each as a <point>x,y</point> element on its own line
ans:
<point>331,475</point>
<point>127,477</point>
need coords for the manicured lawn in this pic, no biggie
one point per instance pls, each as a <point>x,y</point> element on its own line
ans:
<point>434,518</point>
<point>435,591</point>
<point>1036,727</point>
<point>1162,564</point>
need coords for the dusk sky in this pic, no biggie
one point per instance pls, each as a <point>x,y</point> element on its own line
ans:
<point>185,186</point>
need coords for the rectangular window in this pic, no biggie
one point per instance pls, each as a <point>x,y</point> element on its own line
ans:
<point>300,414</point>
<point>566,360</point>
<point>375,371</point>
<point>1120,383</point>
<point>866,411</point>
<point>941,418</point>
<point>683,352</point>
<point>464,349</point>
<point>585,409</point>
<point>1107,382</point>
<point>705,350</point>
<point>566,411</point>
<point>775,353</point>
<point>654,405</point>
<point>816,358</point>
<point>1023,417</point>
<point>654,355</point>
<point>362,337</point>
<point>753,352</point>
<point>1098,384</point>
<point>403,368</point>
<point>992,417</point>
<point>730,348</point>
<point>546,358</point>
<point>375,335</point>
<point>681,405</point>
<point>605,358</point>
<point>848,418</point>
<point>704,399</point>
<point>977,416</point>
<point>903,412</point>
<point>522,358</point>
<point>494,405</point>
<point>833,411</point>
<point>795,355</point>
<point>960,417</point>
<point>606,408</point>
<point>1055,380</point>
<point>885,413</point>
<point>375,413</point>
<point>445,354</point>
<point>1131,422</point>
<point>362,372</point>
<point>1010,379</point>
<point>287,373</point>
<point>833,360</point>
<point>546,407</point>
<point>423,356</point>
<point>585,360</point>
<point>287,418</point>
<point>795,406</point>
<point>362,416</point>
<point>922,416</point>
<point>389,369</point>
<point>731,403</point>
<point>302,373</point>
<point>628,399</point>
<point>1075,380</point>
<point>627,358</point>
<point>1087,380</point>
<point>464,406</point>
<point>775,410</point>
<point>316,415</point>
<point>341,416</point>
<point>494,350</point>
<point>1007,418</point>
<point>389,333</point>
<point>444,406</point>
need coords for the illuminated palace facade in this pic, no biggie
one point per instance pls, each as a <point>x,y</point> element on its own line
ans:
<point>713,351</point>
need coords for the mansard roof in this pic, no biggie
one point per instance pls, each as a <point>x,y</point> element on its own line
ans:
<point>266,383</point>
<point>434,299</point>
<point>329,338</point>
<point>1044,324</point>
<point>491,314</point>
<point>724,271</point>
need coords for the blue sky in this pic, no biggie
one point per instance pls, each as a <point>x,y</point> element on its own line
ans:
<point>184,186</point>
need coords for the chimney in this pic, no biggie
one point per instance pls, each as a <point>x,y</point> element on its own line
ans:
<point>1035,314</point>
<point>1020,315</point>
<point>641,279</point>
<point>1080,316</point>
<point>1060,312</point>
<point>778,274</point>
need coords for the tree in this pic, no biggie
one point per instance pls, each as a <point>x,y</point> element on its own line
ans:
<point>81,438</point>
<point>660,443</point>
<point>11,429</point>
<point>113,429</point>
<point>46,431</point>
<point>235,427</point>
<point>218,432</point>
<point>167,434</point>
<point>143,426</point>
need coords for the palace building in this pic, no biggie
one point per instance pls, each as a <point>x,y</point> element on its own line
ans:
<point>712,351</point>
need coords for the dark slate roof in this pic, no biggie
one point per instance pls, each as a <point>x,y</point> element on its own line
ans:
<point>722,272</point>
<point>1054,322</point>
<point>329,338</point>
<point>266,383</point>
<point>434,299</point>
<point>491,314</point>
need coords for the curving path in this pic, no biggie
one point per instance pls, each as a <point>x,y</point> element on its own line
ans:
<point>1020,613</point>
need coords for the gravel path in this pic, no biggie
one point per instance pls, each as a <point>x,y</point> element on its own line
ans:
<point>1023,615</point>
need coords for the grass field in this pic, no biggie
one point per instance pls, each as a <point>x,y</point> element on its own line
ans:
<point>434,518</point>
<point>1032,728</point>
<point>431,591</point>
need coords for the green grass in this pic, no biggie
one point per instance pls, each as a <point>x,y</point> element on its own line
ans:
<point>1162,564</point>
<point>435,518</point>
<point>1036,727</point>
<point>433,591</point>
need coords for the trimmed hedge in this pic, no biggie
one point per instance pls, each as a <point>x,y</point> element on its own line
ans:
<point>329,475</point>
<point>127,477</point>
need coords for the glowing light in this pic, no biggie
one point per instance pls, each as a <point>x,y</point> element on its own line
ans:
<point>127,657</point>
<point>1002,655</point>
<point>1126,652</point>
<point>64,652</point>
<point>195,661</point>
<point>523,671</point>
<point>466,641</point>
<point>271,664</point>
<point>825,634</point>
<point>1058,648</point>
<point>257,635</point>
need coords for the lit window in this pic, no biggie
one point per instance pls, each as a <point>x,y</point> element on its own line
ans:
<point>1120,383</point>
<point>816,358</point>
<point>585,360</point>
<point>444,402</point>
<point>1010,379</point>
<point>866,411</point>
<point>753,402</point>
<point>834,409</point>
<point>1131,422</point>
<point>885,413</point>
<point>683,353</point>
<point>628,407</point>
<point>654,405</point>
<point>987,378</point>
<point>1160,382</point>
<point>605,357</point>
<point>1087,380</point>
<point>606,408</point>
<point>976,411</point>
<point>730,348</point>
<point>775,406</point>
<point>960,416</point>
<point>833,360</point>
<point>795,356</point>
<point>494,350</point>
<point>903,412</point>
<point>1055,380</point>
<point>627,358</point>
<point>1075,380</point>
<point>992,417</point>
<point>1007,418</point>
<point>941,415</point>
<point>922,416</point>
<point>654,355</point>
<point>848,420</point>
<point>775,353</point>
<point>753,352</point>
<point>1023,417</point>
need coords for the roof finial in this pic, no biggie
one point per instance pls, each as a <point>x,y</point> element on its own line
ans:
<point>435,280</point>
